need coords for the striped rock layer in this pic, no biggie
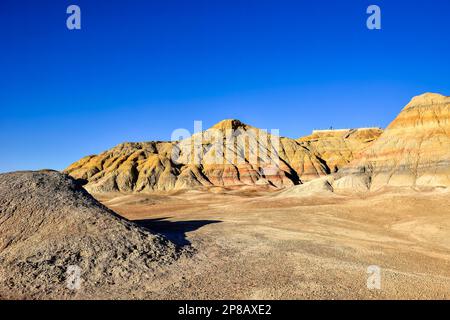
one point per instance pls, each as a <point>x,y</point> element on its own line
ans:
<point>413,151</point>
<point>230,154</point>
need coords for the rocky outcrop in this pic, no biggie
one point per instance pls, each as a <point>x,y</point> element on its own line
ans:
<point>338,147</point>
<point>413,151</point>
<point>319,186</point>
<point>230,154</point>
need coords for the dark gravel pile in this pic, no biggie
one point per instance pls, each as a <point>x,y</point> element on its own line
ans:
<point>48,223</point>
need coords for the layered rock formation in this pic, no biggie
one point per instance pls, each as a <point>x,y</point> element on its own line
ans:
<point>338,147</point>
<point>413,151</point>
<point>230,154</point>
<point>48,223</point>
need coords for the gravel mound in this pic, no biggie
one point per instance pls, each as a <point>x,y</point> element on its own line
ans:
<point>57,241</point>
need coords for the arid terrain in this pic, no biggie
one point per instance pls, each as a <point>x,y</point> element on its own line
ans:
<point>269,246</point>
<point>231,244</point>
<point>235,213</point>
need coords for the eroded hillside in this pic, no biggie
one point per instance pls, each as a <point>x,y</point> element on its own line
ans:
<point>252,158</point>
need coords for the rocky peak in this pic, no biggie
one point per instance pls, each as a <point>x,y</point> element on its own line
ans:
<point>228,124</point>
<point>427,99</point>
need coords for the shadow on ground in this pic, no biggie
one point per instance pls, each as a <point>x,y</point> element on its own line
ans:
<point>174,230</point>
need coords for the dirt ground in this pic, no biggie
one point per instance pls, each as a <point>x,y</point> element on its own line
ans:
<point>252,245</point>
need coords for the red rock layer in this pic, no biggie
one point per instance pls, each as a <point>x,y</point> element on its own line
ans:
<point>253,158</point>
<point>413,151</point>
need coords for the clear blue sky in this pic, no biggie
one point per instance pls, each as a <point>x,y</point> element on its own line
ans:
<point>137,70</point>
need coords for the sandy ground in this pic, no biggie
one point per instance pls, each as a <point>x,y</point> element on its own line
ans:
<point>259,246</point>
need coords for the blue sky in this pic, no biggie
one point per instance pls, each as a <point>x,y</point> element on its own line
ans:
<point>137,70</point>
